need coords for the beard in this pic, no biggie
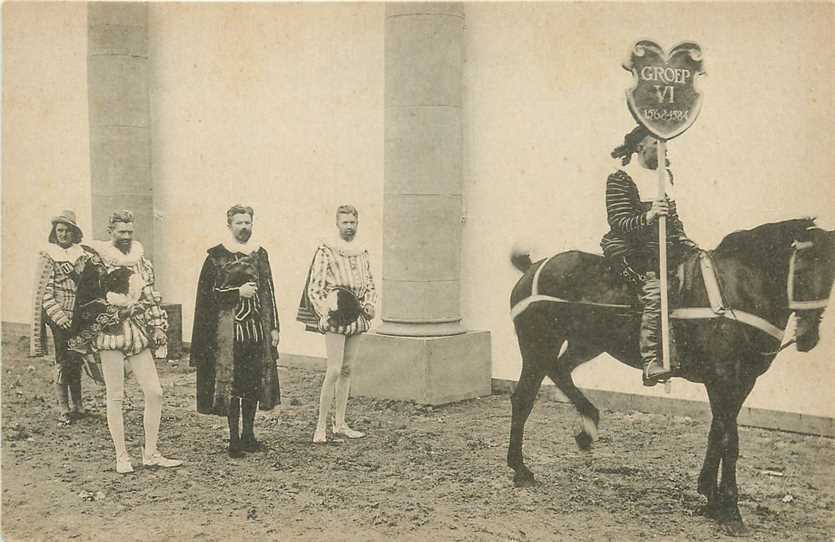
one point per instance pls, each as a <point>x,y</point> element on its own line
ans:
<point>650,162</point>
<point>243,235</point>
<point>124,245</point>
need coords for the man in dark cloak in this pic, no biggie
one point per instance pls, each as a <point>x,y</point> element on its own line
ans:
<point>236,331</point>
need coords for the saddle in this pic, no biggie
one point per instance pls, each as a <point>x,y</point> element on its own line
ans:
<point>687,276</point>
<point>694,271</point>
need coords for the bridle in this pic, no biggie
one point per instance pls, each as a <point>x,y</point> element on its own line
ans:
<point>816,305</point>
<point>793,303</point>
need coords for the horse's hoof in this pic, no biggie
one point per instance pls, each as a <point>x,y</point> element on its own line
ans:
<point>734,527</point>
<point>583,440</point>
<point>524,479</point>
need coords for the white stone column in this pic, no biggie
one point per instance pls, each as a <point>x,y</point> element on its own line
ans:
<point>120,151</point>
<point>423,169</point>
<point>422,352</point>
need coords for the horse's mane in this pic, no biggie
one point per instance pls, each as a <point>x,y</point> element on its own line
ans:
<point>765,239</point>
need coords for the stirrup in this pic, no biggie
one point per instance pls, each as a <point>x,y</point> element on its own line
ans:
<point>659,376</point>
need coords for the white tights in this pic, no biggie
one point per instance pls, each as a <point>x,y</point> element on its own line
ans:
<point>341,352</point>
<point>142,365</point>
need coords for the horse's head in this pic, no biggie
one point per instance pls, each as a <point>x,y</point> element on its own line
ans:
<point>811,273</point>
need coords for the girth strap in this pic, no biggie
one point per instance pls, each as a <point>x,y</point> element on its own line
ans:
<point>714,294</point>
<point>696,313</point>
<point>717,307</point>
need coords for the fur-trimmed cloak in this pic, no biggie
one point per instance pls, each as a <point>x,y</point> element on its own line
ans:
<point>213,335</point>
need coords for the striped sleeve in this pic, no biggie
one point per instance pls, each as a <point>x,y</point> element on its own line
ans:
<point>54,310</point>
<point>622,208</point>
<point>370,297</point>
<point>676,227</point>
<point>317,289</point>
<point>157,317</point>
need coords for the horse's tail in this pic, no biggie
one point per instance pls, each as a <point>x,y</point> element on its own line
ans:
<point>520,258</point>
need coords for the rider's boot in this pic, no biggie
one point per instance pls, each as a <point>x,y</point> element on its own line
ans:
<point>654,371</point>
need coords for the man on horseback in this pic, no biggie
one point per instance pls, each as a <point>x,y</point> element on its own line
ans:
<point>631,245</point>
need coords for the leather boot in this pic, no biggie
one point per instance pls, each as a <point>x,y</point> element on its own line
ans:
<point>62,398</point>
<point>654,371</point>
<point>248,441</point>
<point>77,410</point>
<point>233,417</point>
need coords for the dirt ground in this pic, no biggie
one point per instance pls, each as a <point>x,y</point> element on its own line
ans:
<point>421,474</point>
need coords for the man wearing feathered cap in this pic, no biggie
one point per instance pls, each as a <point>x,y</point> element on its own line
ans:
<point>135,324</point>
<point>631,245</point>
<point>338,300</point>
<point>60,264</point>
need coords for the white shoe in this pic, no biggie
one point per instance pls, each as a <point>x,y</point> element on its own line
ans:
<point>158,460</point>
<point>320,437</point>
<point>123,465</point>
<point>346,431</point>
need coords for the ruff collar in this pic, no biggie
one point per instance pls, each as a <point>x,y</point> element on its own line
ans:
<point>647,180</point>
<point>115,257</point>
<point>346,248</point>
<point>58,254</point>
<point>233,245</point>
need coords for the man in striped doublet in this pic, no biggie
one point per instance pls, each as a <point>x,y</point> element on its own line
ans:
<point>339,301</point>
<point>59,266</point>
<point>631,245</point>
<point>141,325</point>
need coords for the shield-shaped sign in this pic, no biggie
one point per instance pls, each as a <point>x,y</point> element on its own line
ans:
<point>664,98</point>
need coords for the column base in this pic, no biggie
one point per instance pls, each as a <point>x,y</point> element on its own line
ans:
<point>421,329</point>
<point>426,370</point>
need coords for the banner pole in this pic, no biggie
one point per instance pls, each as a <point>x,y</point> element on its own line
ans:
<point>662,260</point>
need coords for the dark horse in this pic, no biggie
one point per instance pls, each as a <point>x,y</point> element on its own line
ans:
<point>570,308</point>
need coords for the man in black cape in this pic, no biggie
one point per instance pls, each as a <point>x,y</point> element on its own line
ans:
<point>235,337</point>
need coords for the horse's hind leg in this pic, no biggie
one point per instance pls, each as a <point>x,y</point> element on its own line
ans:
<point>538,352</point>
<point>560,373</point>
<point>522,400</point>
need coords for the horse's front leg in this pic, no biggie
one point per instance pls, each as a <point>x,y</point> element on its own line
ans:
<point>708,477</point>
<point>522,400</point>
<point>726,398</point>
<point>730,518</point>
